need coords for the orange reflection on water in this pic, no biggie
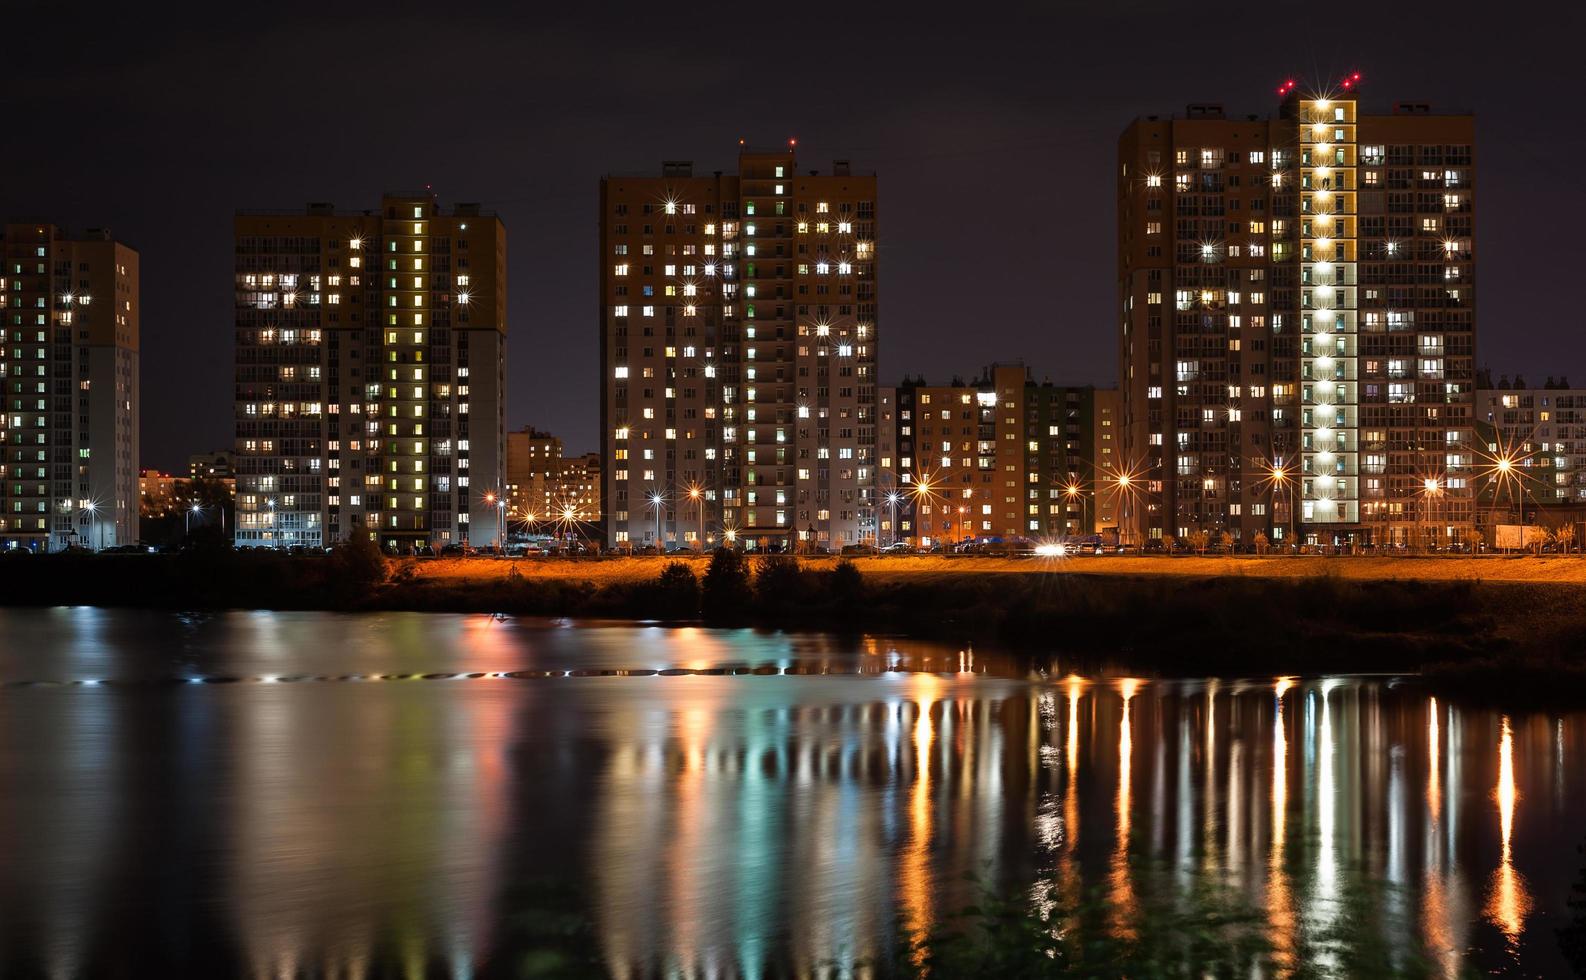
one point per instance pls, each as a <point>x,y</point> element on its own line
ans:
<point>914,870</point>
<point>1434,784</point>
<point>692,832</point>
<point>1123,901</point>
<point>1280,901</point>
<point>1508,902</point>
<point>1068,863</point>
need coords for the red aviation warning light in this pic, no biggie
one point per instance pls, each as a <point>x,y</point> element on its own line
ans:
<point>1286,88</point>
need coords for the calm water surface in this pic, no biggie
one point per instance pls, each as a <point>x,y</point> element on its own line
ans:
<point>285,794</point>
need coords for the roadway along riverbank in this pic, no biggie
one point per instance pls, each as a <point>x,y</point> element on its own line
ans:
<point>1487,624</point>
<point>1525,568</point>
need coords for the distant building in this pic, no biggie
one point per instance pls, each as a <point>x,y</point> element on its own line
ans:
<point>1531,459</point>
<point>370,364</point>
<point>545,485</point>
<point>1002,456</point>
<point>533,459</point>
<point>1107,457</point>
<point>69,364</point>
<point>1296,297</point>
<point>738,326</point>
<point>213,465</point>
<point>158,493</point>
<point>889,481</point>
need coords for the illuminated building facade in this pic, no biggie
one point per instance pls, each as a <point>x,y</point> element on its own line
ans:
<point>738,325</point>
<point>999,457</point>
<point>157,493</point>
<point>1297,333</point>
<point>69,366</point>
<point>1107,457</point>
<point>543,484</point>
<point>213,465</point>
<point>1539,436</point>
<point>369,375</point>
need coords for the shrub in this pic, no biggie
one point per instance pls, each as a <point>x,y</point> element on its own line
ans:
<point>779,581</point>
<point>725,596</point>
<point>846,586</point>
<point>356,566</point>
<point>678,591</point>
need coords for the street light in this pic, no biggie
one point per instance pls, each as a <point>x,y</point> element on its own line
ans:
<point>93,524</point>
<point>657,501</point>
<point>1125,483</point>
<point>1074,491</point>
<point>187,518</point>
<point>698,496</point>
<point>924,489</point>
<point>1505,467</point>
<point>1281,480</point>
<point>1432,488</point>
<point>892,500</point>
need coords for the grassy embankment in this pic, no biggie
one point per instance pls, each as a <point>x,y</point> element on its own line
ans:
<point>1464,621</point>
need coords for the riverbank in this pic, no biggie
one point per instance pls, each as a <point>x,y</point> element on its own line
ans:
<point>1467,622</point>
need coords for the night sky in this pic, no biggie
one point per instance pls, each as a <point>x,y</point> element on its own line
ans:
<point>993,131</point>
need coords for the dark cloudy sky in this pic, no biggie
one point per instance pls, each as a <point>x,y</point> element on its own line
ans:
<point>993,127</point>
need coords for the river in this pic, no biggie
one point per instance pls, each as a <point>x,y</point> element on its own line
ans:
<point>308,794</point>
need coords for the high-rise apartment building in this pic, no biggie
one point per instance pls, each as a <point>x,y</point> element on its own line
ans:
<point>1297,319</point>
<point>738,325</point>
<point>369,374</point>
<point>1001,457</point>
<point>69,366</point>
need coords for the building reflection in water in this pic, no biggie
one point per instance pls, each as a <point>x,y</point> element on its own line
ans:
<point>743,825</point>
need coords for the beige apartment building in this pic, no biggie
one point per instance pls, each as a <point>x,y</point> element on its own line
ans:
<point>1297,325</point>
<point>546,485</point>
<point>1531,461</point>
<point>370,375</point>
<point>69,366</point>
<point>738,325</point>
<point>998,457</point>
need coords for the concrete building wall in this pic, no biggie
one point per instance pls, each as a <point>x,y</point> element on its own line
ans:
<point>370,373</point>
<point>69,431</point>
<point>1296,319</point>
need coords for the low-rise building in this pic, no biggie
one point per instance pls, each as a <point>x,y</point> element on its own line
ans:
<point>1531,452</point>
<point>1000,457</point>
<point>158,493</point>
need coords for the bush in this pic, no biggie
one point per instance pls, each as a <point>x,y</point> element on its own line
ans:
<point>725,596</point>
<point>356,566</point>
<point>846,586</point>
<point>677,591</point>
<point>779,581</point>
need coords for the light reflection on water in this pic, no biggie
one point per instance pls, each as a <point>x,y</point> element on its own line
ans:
<point>720,825</point>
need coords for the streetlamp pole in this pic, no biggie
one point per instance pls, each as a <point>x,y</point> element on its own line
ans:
<point>699,502</point>
<point>892,501</point>
<point>657,501</point>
